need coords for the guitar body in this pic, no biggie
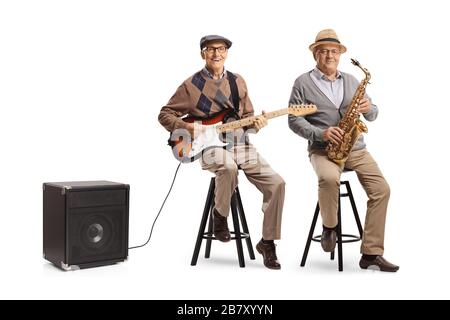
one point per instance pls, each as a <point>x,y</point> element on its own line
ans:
<point>187,150</point>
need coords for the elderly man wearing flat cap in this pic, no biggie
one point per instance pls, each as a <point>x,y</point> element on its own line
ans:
<point>205,94</point>
<point>332,91</point>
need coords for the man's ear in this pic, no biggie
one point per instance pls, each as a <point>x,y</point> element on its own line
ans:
<point>202,53</point>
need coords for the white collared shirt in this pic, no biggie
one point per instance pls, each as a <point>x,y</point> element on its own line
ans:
<point>333,89</point>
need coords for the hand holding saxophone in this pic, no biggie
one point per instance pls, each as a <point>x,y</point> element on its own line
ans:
<point>364,105</point>
<point>333,134</point>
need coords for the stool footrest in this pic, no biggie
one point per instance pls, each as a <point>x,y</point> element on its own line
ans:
<point>352,238</point>
<point>210,235</point>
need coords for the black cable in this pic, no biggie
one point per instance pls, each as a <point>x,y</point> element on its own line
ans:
<point>151,231</point>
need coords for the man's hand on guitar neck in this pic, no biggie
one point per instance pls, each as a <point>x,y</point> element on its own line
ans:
<point>260,122</point>
<point>195,129</point>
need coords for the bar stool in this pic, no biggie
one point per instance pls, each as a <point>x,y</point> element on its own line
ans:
<point>237,212</point>
<point>341,238</point>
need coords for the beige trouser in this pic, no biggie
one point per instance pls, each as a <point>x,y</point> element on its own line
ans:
<point>374,184</point>
<point>225,164</point>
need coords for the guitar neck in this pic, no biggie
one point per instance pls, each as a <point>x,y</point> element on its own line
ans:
<point>249,121</point>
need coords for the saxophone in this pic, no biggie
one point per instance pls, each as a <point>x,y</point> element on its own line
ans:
<point>350,124</point>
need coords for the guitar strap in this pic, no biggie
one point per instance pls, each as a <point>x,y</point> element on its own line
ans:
<point>235,98</point>
<point>234,92</point>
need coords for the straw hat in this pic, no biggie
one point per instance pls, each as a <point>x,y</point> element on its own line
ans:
<point>327,36</point>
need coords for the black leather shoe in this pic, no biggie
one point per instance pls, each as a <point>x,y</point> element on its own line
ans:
<point>328,240</point>
<point>379,263</point>
<point>268,252</point>
<point>220,227</point>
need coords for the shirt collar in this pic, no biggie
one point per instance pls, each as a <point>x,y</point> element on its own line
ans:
<point>206,72</point>
<point>319,75</point>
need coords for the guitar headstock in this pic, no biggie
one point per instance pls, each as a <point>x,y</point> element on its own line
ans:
<point>301,109</point>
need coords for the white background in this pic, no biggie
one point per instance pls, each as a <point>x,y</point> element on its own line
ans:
<point>82,83</point>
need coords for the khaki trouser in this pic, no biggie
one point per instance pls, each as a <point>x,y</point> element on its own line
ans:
<point>225,164</point>
<point>374,184</point>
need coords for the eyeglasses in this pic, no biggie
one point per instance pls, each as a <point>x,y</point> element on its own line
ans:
<point>333,52</point>
<point>211,50</point>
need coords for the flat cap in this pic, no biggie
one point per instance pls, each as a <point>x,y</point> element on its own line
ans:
<point>214,37</point>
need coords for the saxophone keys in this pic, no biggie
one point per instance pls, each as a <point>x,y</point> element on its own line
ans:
<point>362,126</point>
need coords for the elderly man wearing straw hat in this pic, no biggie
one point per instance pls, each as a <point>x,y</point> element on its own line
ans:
<point>332,91</point>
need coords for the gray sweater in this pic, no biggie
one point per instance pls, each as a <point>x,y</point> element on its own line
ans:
<point>312,127</point>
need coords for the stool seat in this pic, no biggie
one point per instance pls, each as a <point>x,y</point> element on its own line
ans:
<point>237,213</point>
<point>341,237</point>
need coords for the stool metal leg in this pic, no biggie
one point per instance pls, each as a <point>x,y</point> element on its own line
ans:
<point>201,231</point>
<point>237,231</point>
<point>210,231</point>
<point>339,208</point>
<point>339,236</point>
<point>310,236</point>
<point>355,210</point>
<point>244,225</point>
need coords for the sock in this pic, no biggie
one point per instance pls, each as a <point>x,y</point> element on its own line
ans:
<point>326,228</point>
<point>369,257</point>
<point>266,241</point>
<point>217,213</point>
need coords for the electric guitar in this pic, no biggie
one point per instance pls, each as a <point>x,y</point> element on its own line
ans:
<point>187,150</point>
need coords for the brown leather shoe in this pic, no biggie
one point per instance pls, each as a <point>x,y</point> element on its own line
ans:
<point>220,227</point>
<point>328,240</point>
<point>268,252</point>
<point>379,263</point>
